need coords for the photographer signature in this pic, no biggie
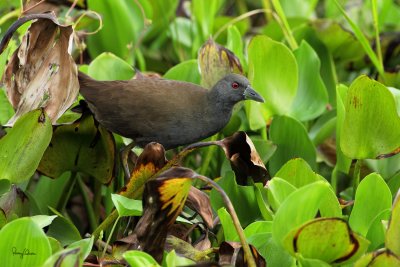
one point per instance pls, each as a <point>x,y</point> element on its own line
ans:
<point>21,254</point>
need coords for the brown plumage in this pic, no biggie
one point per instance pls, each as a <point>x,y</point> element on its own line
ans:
<point>169,112</point>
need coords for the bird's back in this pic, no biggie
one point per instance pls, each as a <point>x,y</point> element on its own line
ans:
<point>170,112</point>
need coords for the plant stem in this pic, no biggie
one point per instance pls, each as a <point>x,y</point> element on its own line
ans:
<point>288,33</point>
<point>12,14</point>
<point>246,248</point>
<point>88,205</point>
<point>267,5</point>
<point>356,175</point>
<point>109,237</point>
<point>66,194</point>
<point>377,38</point>
<point>209,155</point>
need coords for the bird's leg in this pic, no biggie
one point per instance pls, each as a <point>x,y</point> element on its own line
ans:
<point>124,153</point>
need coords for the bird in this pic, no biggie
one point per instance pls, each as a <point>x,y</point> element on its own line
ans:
<point>172,113</point>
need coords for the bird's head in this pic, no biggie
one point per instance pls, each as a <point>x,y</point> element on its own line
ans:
<point>235,88</point>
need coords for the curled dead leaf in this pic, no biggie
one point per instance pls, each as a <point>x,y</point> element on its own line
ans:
<point>41,72</point>
<point>231,253</point>
<point>200,202</point>
<point>216,61</point>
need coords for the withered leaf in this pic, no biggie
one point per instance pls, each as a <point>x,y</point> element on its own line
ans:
<point>216,61</point>
<point>232,254</point>
<point>41,72</point>
<point>200,202</point>
<point>163,200</point>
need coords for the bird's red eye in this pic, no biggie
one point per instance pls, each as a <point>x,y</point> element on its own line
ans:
<point>235,85</point>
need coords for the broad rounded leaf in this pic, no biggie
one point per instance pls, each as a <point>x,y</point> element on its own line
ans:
<point>23,243</point>
<point>108,67</point>
<point>371,126</point>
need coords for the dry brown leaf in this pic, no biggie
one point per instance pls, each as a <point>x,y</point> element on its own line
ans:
<point>200,202</point>
<point>41,72</point>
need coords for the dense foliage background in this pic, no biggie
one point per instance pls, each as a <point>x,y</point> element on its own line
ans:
<point>328,134</point>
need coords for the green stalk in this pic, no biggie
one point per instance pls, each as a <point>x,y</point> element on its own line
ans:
<point>356,175</point>
<point>12,14</point>
<point>376,27</point>
<point>88,205</point>
<point>229,206</point>
<point>209,155</point>
<point>287,31</point>
<point>109,237</point>
<point>62,203</point>
<point>267,5</point>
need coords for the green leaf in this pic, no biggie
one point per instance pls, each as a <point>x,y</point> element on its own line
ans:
<point>393,231</point>
<point>23,147</point>
<point>298,173</point>
<point>137,258</point>
<point>292,141</point>
<point>23,243</point>
<point>372,197</point>
<point>273,73</point>
<point>312,97</point>
<point>108,67</point>
<point>377,230</point>
<point>63,229</point>
<point>6,110</point>
<point>235,44</point>
<point>230,233</point>
<point>172,260</point>
<point>122,21</point>
<point>204,12</point>
<point>278,191</point>
<point>126,206</point>
<point>371,126</point>
<point>187,71</point>
<point>299,207</point>
<point>243,198</point>
<point>43,220</point>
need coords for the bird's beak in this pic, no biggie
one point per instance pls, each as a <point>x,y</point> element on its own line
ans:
<point>249,93</point>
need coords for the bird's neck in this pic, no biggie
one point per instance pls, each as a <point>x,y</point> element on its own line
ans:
<point>219,107</point>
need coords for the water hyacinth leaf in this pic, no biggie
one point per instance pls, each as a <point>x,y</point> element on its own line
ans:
<point>292,141</point>
<point>273,72</point>
<point>278,191</point>
<point>215,62</point>
<point>63,229</point>
<point>364,133</point>
<point>393,231</point>
<point>377,231</point>
<point>204,12</point>
<point>23,147</point>
<point>298,173</point>
<point>41,73</point>
<point>342,43</point>
<point>369,203</point>
<point>24,243</point>
<point>343,162</point>
<point>230,233</point>
<point>187,71</point>
<point>82,146</point>
<point>43,220</point>
<point>108,67</point>
<point>172,259</point>
<point>379,258</point>
<point>327,239</point>
<point>65,257</point>
<point>126,206</point>
<point>299,207</point>
<point>243,198</point>
<point>312,97</point>
<point>137,258</point>
<point>6,110</point>
<point>15,203</point>
<point>5,186</point>
<point>114,37</point>
<point>163,200</point>
<point>235,44</point>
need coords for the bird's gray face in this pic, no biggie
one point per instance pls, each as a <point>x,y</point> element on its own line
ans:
<point>237,88</point>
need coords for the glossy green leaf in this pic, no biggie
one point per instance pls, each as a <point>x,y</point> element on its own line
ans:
<point>230,233</point>
<point>372,197</point>
<point>108,67</point>
<point>394,183</point>
<point>377,230</point>
<point>187,71</point>
<point>243,198</point>
<point>235,44</point>
<point>23,243</point>
<point>126,206</point>
<point>392,240</point>
<point>379,258</point>
<point>43,220</point>
<point>324,128</point>
<point>298,173</point>
<point>312,97</point>
<point>262,201</point>
<point>172,260</point>
<point>63,229</point>
<point>5,186</point>
<point>299,8</point>
<point>137,258</point>
<point>116,37</point>
<point>299,207</point>
<point>342,161</point>
<point>204,12</point>
<point>273,73</point>
<point>23,147</point>
<point>82,146</point>
<point>292,141</point>
<point>327,239</point>
<point>371,126</point>
<point>278,191</point>
<point>6,110</point>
